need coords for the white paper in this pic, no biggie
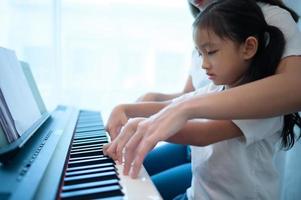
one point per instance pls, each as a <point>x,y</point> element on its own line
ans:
<point>16,92</point>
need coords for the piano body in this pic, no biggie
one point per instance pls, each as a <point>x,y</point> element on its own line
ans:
<point>63,159</point>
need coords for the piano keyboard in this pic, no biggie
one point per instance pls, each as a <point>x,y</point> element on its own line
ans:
<point>91,175</point>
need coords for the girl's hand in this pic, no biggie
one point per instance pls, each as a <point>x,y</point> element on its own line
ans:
<point>116,121</point>
<point>148,133</point>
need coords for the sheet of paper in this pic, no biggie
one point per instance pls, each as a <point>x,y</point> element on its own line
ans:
<point>6,120</point>
<point>16,91</point>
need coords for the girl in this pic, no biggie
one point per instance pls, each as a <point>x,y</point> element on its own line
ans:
<point>238,47</point>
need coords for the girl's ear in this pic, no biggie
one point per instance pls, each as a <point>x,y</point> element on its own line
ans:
<point>250,47</point>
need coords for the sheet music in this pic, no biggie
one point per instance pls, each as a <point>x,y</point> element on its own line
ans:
<point>6,120</point>
<point>16,91</point>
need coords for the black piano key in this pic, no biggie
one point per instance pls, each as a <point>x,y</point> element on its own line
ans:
<point>91,132</point>
<point>96,135</point>
<point>89,139</point>
<point>94,193</point>
<point>89,185</point>
<point>98,147</point>
<point>89,136</point>
<point>90,171</point>
<point>89,124</point>
<point>83,118</point>
<point>86,146</point>
<point>87,152</point>
<point>91,142</point>
<point>76,155</point>
<point>89,162</point>
<point>86,157</point>
<point>71,169</point>
<point>90,178</point>
<point>90,128</point>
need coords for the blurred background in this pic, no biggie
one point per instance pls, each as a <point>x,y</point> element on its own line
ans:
<point>95,54</point>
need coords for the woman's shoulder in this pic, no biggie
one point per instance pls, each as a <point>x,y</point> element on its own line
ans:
<point>274,13</point>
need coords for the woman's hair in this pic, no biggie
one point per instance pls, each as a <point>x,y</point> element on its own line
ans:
<point>195,11</point>
<point>237,20</point>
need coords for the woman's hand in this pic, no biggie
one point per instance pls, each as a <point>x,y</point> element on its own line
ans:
<point>136,143</point>
<point>116,121</point>
<point>115,149</point>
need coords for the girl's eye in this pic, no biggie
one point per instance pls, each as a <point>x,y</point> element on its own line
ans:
<point>212,52</point>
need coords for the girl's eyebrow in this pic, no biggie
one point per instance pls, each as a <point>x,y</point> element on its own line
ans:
<point>207,44</point>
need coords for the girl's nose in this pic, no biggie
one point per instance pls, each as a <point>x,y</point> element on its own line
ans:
<point>205,64</point>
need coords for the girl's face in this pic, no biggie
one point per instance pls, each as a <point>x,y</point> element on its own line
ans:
<point>200,4</point>
<point>223,59</point>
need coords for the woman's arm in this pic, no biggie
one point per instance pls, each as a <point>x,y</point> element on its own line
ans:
<point>272,96</point>
<point>275,95</point>
<point>205,132</point>
<point>195,132</point>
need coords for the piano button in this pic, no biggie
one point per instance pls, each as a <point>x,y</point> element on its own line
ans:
<point>90,178</point>
<point>90,171</point>
<point>71,169</point>
<point>102,192</point>
<point>89,185</point>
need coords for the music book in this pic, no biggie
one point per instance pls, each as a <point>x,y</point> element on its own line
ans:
<point>19,109</point>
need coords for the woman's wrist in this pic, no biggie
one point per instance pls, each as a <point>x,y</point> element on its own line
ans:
<point>186,110</point>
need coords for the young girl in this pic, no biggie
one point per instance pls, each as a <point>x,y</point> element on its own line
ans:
<point>238,47</point>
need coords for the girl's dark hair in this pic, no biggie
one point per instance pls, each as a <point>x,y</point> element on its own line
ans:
<point>237,20</point>
<point>195,11</point>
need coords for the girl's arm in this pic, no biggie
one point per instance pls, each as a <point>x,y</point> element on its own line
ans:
<point>155,96</point>
<point>205,132</point>
<point>143,109</point>
<point>121,113</point>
